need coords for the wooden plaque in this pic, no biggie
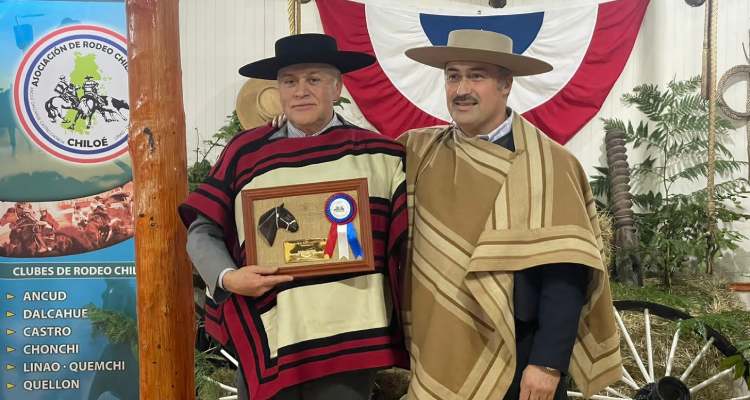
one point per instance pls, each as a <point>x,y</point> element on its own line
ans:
<point>300,250</point>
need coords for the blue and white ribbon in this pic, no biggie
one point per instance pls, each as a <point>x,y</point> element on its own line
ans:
<point>341,209</point>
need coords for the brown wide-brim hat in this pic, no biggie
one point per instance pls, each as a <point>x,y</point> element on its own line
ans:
<point>479,46</point>
<point>306,48</point>
<point>258,102</point>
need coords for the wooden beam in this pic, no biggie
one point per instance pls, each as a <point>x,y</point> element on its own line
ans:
<point>740,287</point>
<point>157,147</point>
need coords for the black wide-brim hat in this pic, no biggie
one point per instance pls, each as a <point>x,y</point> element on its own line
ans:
<point>303,49</point>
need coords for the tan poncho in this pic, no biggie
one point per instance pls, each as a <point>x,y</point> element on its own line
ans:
<point>479,212</point>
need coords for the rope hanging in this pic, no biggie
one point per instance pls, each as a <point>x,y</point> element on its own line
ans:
<point>712,10</point>
<point>294,13</point>
<point>737,72</point>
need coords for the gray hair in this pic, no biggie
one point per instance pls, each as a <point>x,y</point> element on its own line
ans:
<point>334,71</point>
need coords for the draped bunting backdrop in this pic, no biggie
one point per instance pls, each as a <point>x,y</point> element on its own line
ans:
<point>588,45</point>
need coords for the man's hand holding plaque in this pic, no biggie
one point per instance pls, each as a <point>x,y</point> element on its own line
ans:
<point>253,280</point>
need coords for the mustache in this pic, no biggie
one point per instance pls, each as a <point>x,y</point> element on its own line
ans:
<point>465,97</point>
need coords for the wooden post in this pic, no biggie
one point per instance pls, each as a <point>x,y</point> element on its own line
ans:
<point>157,147</point>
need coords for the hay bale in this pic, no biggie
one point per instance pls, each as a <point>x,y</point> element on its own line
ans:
<point>391,384</point>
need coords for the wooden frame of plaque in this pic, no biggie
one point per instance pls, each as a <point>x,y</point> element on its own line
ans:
<point>306,202</point>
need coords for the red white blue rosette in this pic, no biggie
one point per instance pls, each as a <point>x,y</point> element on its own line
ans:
<point>341,209</point>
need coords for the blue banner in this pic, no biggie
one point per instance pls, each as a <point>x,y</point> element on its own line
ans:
<point>67,270</point>
<point>63,99</point>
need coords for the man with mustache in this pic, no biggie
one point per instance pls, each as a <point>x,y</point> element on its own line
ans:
<point>506,290</point>
<point>320,338</point>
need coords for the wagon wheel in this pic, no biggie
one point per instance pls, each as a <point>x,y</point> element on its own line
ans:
<point>683,365</point>
<point>224,358</point>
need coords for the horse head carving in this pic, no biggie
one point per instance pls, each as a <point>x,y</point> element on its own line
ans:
<point>273,220</point>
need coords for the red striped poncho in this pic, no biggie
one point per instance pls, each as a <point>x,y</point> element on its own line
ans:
<point>310,328</point>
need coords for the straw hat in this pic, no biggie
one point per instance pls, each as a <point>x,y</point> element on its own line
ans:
<point>479,46</point>
<point>257,103</point>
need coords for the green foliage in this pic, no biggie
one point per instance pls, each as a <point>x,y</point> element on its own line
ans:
<point>654,294</point>
<point>207,373</point>
<point>673,227</point>
<point>341,101</point>
<point>739,361</point>
<point>601,189</point>
<point>228,131</point>
<point>732,324</point>
<point>198,172</point>
<point>117,327</point>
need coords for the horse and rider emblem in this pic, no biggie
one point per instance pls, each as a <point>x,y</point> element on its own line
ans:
<point>84,101</point>
<point>70,94</point>
<point>66,227</point>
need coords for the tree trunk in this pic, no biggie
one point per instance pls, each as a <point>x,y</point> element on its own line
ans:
<point>626,258</point>
<point>157,147</point>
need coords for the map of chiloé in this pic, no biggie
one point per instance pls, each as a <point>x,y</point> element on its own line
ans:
<point>85,65</point>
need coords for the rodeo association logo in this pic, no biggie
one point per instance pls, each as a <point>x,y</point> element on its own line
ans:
<point>70,94</point>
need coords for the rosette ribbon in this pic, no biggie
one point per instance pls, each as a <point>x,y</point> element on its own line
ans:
<point>341,209</point>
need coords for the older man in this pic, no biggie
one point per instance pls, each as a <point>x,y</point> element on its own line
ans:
<point>319,338</point>
<point>507,289</point>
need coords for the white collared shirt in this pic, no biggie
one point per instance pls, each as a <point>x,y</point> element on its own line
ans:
<point>294,132</point>
<point>501,130</point>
